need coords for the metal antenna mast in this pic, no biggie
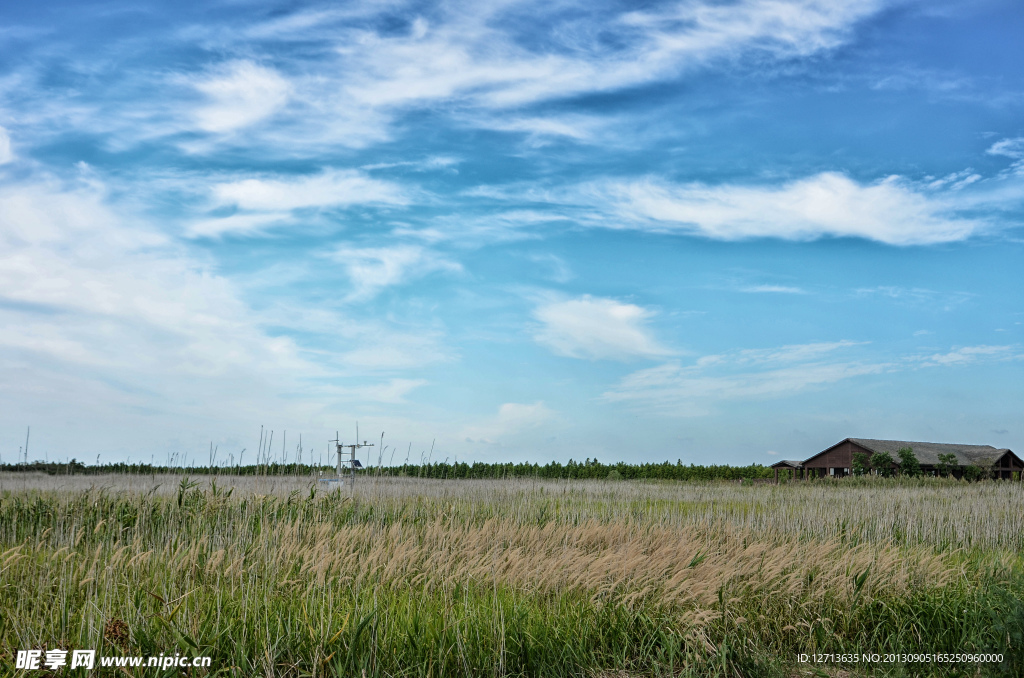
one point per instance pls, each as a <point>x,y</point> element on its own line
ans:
<point>352,462</point>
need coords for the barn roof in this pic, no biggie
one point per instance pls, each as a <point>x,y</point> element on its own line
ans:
<point>928,453</point>
<point>788,463</point>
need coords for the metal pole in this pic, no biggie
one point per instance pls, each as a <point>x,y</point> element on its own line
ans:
<point>338,469</point>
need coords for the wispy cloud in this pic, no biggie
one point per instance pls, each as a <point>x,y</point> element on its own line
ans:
<point>947,301</point>
<point>464,55</point>
<point>6,152</point>
<point>262,202</point>
<point>773,289</point>
<point>557,269</point>
<point>432,163</point>
<point>474,230</point>
<point>383,348</point>
<point>92,292</point>
<point>968,354</point>
<point>712,381</point>
<point>327,189</point>
<point>236,224</point>
<point>512,419</point>
<point>371,269</point>
<point>1011,148</point>
<point>894,210</point>
<point>827,204</point>
<point>391,392</point>
<point>677,390</point>
<point>597,329</point>
<point>695,390</point>
<point>108,319</point>
<point>358,72</point>
<point>239,94</point>
<point>542,129</point>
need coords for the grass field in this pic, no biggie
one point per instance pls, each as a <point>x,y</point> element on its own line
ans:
<point>409,577</point>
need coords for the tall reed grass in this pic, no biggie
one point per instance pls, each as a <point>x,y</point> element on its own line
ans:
<point>403,577</point>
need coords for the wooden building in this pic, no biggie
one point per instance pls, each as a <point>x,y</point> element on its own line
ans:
<point>837,461</point>
<point>789,467</point>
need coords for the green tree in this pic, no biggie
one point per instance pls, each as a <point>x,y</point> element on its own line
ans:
<point>947,463</point>
<point>972,472</point>
<point>909,465</point>
<point>883,463</point>
<point>861,464</point>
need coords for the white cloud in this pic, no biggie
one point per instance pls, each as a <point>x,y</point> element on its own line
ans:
<point>6,153</point>
<point>328,189</point>
<point>827,204</point>
<point>384,348</point>
<point>353,78</point>
<point>583,128</point>
<point>391,392</point>
<point>773,289</point>
<point>371,269</point>
<point>512,419</point>
<point>94,297</point>
<point>471,56</point>
<point>677,389</point>
<point>266,202</point>
<point>465,55</point>
<point>428,164</point>
<point>947,301</point>
<point>966,355</point>
<point>1011,148</point>
<point>117,336</point>
<point>239,94</point>
<point>557,269</point>
<point>793,353</point>
<point>955,180</point>
<point>240,224</point>
<point>757,374</point>
<point>356,345</point>
<point>597,329</point>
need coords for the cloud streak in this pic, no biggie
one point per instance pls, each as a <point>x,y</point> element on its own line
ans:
<point>330,188</point>
<point>6,152</point>
<point>357,76</point>
<point>595,328</point>
<point>240,94</point>
<point>713,381</point>
<point>829,204</point>
<point>512,419</point>
<point>372,269</point>
<point>259,203</point>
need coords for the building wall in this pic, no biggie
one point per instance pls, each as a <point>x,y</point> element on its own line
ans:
<point>840,456</point>
<point>1006,467</point>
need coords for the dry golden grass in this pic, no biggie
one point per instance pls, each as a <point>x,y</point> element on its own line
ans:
<point>489,565</point>
<point>944,515</point>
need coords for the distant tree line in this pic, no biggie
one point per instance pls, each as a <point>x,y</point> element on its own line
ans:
<point>587,469</point>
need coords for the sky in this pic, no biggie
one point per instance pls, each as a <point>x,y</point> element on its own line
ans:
<point>716,232</point>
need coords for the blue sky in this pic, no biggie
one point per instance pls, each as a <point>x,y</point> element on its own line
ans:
<point>722,232</point>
